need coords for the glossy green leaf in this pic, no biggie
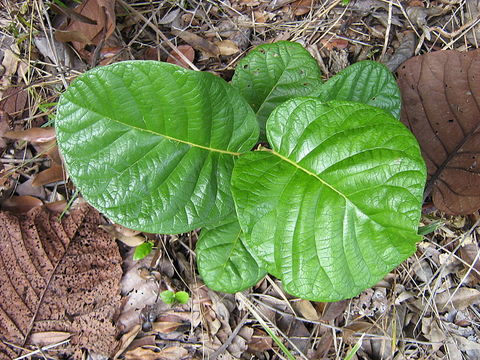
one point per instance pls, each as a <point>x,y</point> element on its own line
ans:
<point>336,203</point>
<point>273,73</point>
<point>367,82</point>
<point>168,297</point>
<point>142,250</point>
<point>152,145</point>
<point>182,297</point>
<point>223,261</point>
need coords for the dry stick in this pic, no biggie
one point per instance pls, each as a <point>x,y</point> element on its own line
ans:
<point>47,347</point>
<point>336,328</point>
<point>232,336</point>
<point>159,33</point>
<point>387,31</point>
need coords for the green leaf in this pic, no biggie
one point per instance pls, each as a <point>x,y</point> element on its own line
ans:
<point>273,73</point>
<point>335,205</point>
<point>223,261</point>
<point>368,82</point>
<point>182,297</point>
<point>427,229</point>
<point>168,297</point>
<point>152,145</point>
<point>142,250</point>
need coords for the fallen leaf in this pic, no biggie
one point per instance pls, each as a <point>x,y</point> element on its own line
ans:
<point>57,206</point>
<point>227,47</point>
<point>71,14</point>
<point>432,332</point>
<point>21,204</point>
<point>129,240</point>
<point>168,353</point>
<point>35,135</point>
<point>472,13</point>
<point>470,254</point>
<point>14,101</point>
<point>174,58</point>
<point>52,174</point>
<point>306,309</point>
<point>461,299</point>
<point>48,337</point>
<point>27,189</point>
<point>260,341</point>
<point>197,42</point>
<point>408,42</point>
<point>440,96</point>
<point>66,36</point>
<point>4,127</point>
<point>58,276</point>
<point>301,7</point>
<point>126,340</point>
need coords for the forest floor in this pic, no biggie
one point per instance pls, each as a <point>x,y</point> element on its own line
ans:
<point>427,308</point>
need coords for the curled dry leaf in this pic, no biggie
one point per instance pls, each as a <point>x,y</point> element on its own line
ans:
<point>59,276</point>
<point>186,50</point>
<point>129,240</point>
<point>457,299</point>
<point>227,47</point>
<point>197,42</point>
<point>52,174</point>
<point>441,97</point>
<point>34,135</point>
<point>102,26</point>
<point>21,204</point>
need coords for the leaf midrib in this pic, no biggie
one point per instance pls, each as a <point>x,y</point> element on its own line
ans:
<point>171,138</point>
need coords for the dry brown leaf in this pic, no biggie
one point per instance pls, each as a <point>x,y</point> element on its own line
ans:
<point>52,174</point>
<point>58,276</point>
<point>126,340</point>
<point>14,101</point>
<point>260,341</point>
<point>470,254</point>
<point>129,240</point>
<point>333,310</point>
<point>67,36</point>
<point>301,7</point>
<point>186,50</point>
<point>27,189</point>
<point>100,11</point>
<point>306,309</point>
<point>461,299</point>
<point>472,13</point>
<point>168,353</point>
<point>408,42</point>
<point>227,47</point>
<point>35,135</point>
<point>197,42</point>
<point>440,97</point>
<point>71,14</point>
<point>57,206</point>
<point>48,337</point>
<point>433,332</point>
<point>4,127</point>
<point>21,204</point>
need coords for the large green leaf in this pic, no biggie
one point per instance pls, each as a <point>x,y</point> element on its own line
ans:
<point>336,203</point>
<point>273,73</point>
<point>223,261</point>
<point>152,145</point>
<point>368,82</point>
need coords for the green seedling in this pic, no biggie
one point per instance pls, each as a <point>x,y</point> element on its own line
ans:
<point>169,297</point>
<point>329,204</point>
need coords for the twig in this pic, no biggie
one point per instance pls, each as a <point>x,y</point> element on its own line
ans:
<point>159,33</point>
<point>40,350</point>
<point>387,31</point>
<point>228,342</point>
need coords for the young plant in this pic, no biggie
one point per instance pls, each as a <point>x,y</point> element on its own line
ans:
<point>329,206</point>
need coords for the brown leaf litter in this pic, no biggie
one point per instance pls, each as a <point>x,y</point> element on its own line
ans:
<point>441,96</point>
<point>60,277</point>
